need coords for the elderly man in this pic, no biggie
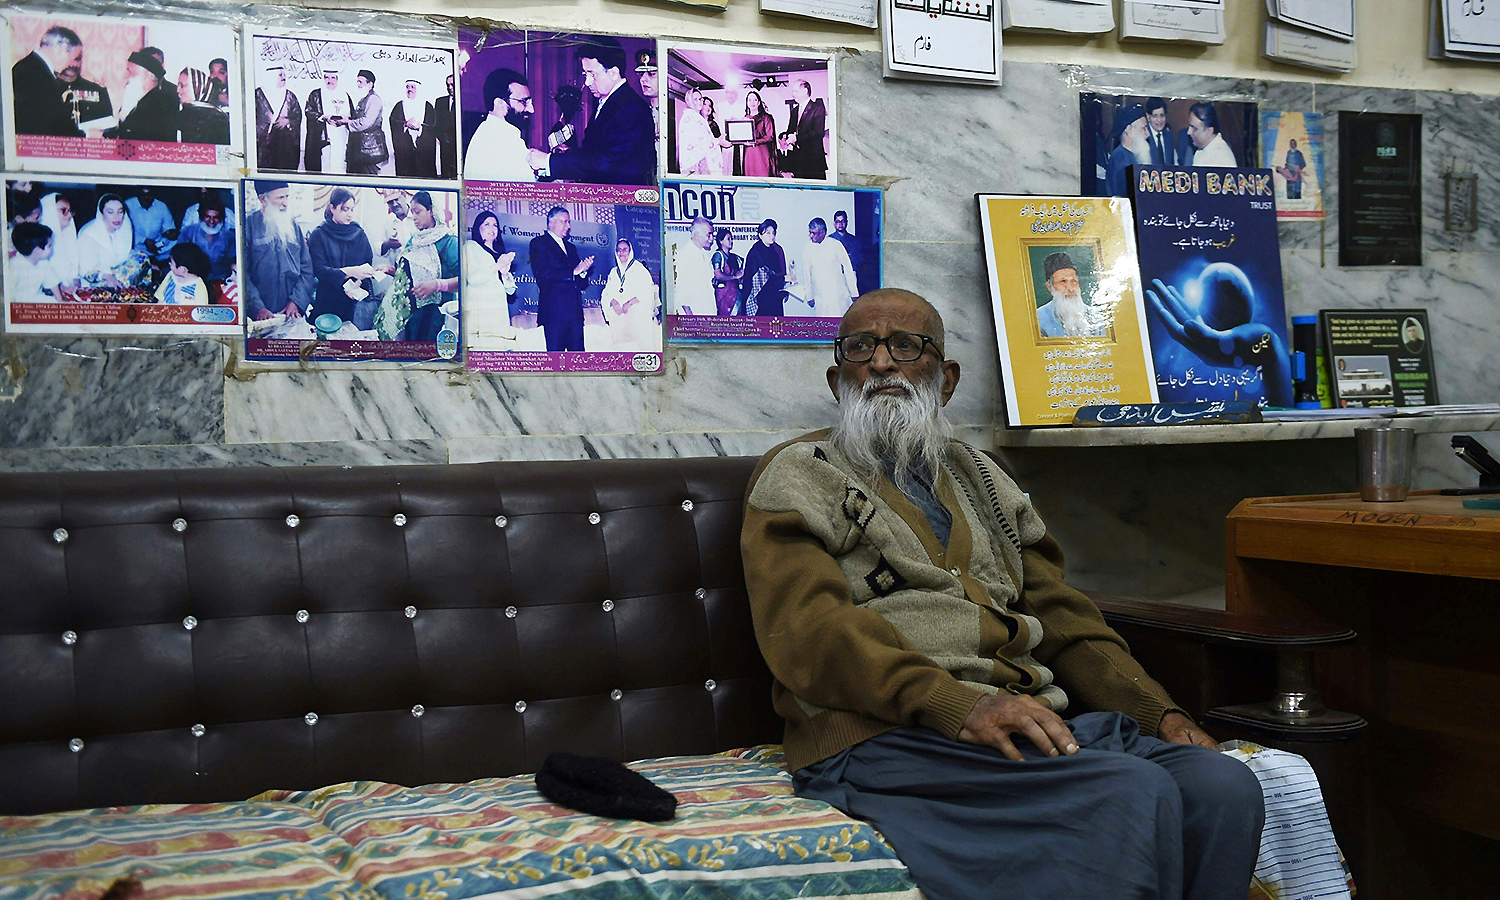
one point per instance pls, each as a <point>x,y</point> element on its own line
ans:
<point>149,107</point>
<point>910,604</point>
<point>278,265</point>
<point>37,84</point>
<point>414,143</point>
<point>278,123</point>
<point>214,235</point>
<point>561,277</point>
<point>828,279</point>
<point>693,271</point>
<point>1066,315</point>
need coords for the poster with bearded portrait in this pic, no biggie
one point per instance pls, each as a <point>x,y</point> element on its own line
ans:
<point>133,96</point>
<point>123,257</point>
<point>1118,131</point>
<point>355,105</point>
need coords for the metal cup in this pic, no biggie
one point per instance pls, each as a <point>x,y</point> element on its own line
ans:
<point>1384,463</point>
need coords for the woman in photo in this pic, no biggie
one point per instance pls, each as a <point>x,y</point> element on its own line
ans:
<point>431,259</point>
<point>341,257</point>
<point>727,271</point>
<point>488,285</point>
<point>186,283</point>
<point>57,214</point>
<point>631,302</point>
<point>763,286</point>
<point>715,156</point>
<point>199,121</point>
<point>760,156</point>
<point>105,243</point>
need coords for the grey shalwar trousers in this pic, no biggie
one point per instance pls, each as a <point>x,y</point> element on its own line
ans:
<point>1127,817</point>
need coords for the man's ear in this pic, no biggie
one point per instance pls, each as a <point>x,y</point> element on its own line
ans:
<point>950,379</point>
<point>833,381</point>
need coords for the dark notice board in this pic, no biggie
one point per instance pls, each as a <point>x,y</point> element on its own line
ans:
<point>1380,189</point>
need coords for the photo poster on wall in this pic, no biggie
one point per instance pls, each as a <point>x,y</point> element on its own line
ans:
<point>562,278</point>
<point>1291,146</point>
<point>366,271</point>
<point>137,96</point>
<point>351,105</point>
<point>772,264</point>
<point>1380,357</point>
<point>130,257</point>
<point>558,107</point>
<point>1069,313</point>
<point>948,41</point>
<point>750,112</point>
<point>1119,131</point>
<point>1211,267</point>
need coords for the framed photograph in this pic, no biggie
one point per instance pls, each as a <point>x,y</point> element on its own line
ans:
<point>562,278</point>
<point>766,263</point>
<point>782,103</point>
<point>1119,131</point>
<point>367,271</point>
<point>135,96</point>
<point>129,257</point>
<point>1291,145</point>
<point>1070,315</point>
<point>355,105</point>
<point>559,107</point>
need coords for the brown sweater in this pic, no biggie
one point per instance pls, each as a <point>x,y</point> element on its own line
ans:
<point>868,623</point>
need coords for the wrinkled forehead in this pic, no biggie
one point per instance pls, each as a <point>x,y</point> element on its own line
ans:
<point>884,313</point>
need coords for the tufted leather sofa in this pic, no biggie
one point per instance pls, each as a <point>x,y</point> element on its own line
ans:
<point>205,635</point>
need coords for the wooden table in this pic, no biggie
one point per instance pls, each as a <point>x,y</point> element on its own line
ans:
<point>1420,581</point>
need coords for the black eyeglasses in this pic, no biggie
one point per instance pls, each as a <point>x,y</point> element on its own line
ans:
<point>903,346</point>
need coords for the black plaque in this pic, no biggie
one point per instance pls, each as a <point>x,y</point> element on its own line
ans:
<point>1380,189</point>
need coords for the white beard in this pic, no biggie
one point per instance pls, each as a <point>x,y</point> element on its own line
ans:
<point>279,224</point>
<point>132,93</point>
<point>1142,151</point>
<point>895,433</point>
<point>1071,312</point>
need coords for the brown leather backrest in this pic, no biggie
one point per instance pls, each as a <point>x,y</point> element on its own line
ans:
<point>411,624</point>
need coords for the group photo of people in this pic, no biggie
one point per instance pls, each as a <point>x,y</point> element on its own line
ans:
<point>807,254</point>
<point>119,243</point>
<point>539,106</point>
<point>557,275</point>
<point>1119,131</point>
<point>353,107</point>
<point>350,265</point>
<point>741,113</point>
<point>136,80</point>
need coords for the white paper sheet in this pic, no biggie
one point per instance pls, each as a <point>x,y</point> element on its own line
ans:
<point>1152,21</point>
<point>852,12</point>
<point>1072,16</point>
<point>1471,26</point>
<point>941,40</point>
<point>1305,48</point>
<point>1331,17</point>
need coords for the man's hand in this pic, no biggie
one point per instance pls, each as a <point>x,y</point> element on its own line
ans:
<point>292,311</point>
<point>1177,728</point>
<point>994,719</point>
<point>584,266</point>
<point>263,315</point>
<point>537,159</point>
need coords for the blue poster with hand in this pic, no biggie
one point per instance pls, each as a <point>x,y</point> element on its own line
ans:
<point>1211,267</point>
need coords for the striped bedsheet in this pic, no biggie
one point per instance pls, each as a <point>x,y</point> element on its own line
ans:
<point>739,833</point>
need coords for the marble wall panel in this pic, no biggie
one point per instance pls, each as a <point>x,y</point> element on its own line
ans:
<point>198,456</point>
<point>67,392</point>
<point>1462,133</point>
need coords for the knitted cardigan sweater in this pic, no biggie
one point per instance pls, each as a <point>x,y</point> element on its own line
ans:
<point>868,623</point>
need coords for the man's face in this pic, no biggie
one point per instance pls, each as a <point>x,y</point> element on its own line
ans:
<point>1158,119</point>
<point>281,78</point>
<point>133,72</point>
<point>74,63</point>
<point>841,223</point>
<point>805,92</point>
<point>1201,134</point>
<point>883,317</point>
<point>1064,282</point>
<point>816,234</point>
<point>1412,335</point>
<point>218,70</point>
<point>411,91</point>
<point>701,235</point>
<point>450,85</point>
<point>211,217</point>
<point>42,252</point>
<point>519,107</point>
<point>398,209</point>
<point>362,83</point>
<point>1294,144</point>
<point>599,80</point>
<point>648,85</point>
<point>422,217</point>
<point>276,199</point>
<point>146,197</point>
<point>330,80</point>
<point>560,224</point>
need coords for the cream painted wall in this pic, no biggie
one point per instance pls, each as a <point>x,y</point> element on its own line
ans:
<point>1392,46</point>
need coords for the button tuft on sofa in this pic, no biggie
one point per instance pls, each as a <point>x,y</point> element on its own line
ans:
<point>410,612</point>
<point>293,520</point>
<point>520,706</point>
<point>510,612</point>
<point>501,521</point>
<point>418,711</point>
<point>608,606</point>
<point>399,519</point>
<point>311,718</point>
<point>70,637</point>
<point>687,506</point>
<point>616,694</point>
<point>303,615</point>
<point>594,518</point>
<point>60,535</point>
<point>76,745</point>
<point>198,731</point>
<point>189,623</point>
<point>710,684</point>
<point>179,525</point>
